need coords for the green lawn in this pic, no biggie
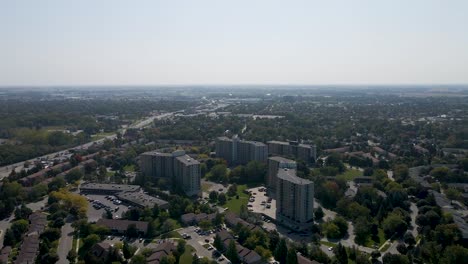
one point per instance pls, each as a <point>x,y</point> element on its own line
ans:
<point>381,239</point>
<point>186,258</point>
<point>129,168</point>
<point>101,135</point>
<point>234,204</point>
<point>172,234</point>
<point>327,243</point>
<point>350,174</point>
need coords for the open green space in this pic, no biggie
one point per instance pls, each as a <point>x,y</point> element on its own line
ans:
<point>327,243</point>
<point>101,135</point>
<point>380,239</point>
<point>129,168</point>
<point>350,174</point>
<point>186,258</point>
<point>235,204</point>
<point>172,234</point>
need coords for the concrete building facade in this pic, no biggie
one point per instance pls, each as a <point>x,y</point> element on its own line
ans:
<point>274,164</point>
<point>240,152</point>
<point>294,200</point>
<point>177,167</point>
<point>293,149</point>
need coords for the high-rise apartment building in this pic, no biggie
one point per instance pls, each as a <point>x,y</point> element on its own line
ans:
<point>239,152</point>
<point>177,167</point>
<point>294,200</point>
<point>293,149</point>
<point>274,164</point>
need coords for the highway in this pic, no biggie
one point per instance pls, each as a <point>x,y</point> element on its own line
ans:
<point>6,170</point>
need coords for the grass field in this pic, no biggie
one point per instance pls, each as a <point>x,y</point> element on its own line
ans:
<point>186,258</point>
<point>328,244</point>
<point>101,135</point>
<point>234,204</point>
<point>381,239</point>
<point>350,174</point>
<point>129,168</point>
<point>172,234</point>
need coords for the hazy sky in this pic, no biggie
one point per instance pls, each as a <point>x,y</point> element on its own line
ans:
<point>233,42</point>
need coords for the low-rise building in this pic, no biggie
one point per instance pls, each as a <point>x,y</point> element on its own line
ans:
<point>103,188</point>
<point>101,251</point>
<point>141,200</point>
<point>162,250</point>
<point>121,226</point>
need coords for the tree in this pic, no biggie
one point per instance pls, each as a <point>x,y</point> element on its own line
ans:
<point>281,251</point>
<point>319,214</point>
<point>263,252</point>
<point>74,175</point>
<point>9,239</point>
<point>394,223</point>
<point>400,172</point>
<point>340,253</point>
<point>219,172</point>
<point>342,225</point>
<point>132,230</point>
<point>127,250</point>
<point>330,230</point>
<point>452,194</point>
<point>218,244</point>
<point>395,259</point>
<point>218,219</point>
<point>292,256</point>
<point>205,224</point>
<point>231,253</point>
<point>168,225</point>
<point>22,212</point>
<point>71,256</point>
<point>57,183</point>
<point>90,240</point>
<point>232,190</point>
<point>138,259</point>
<point>222,198</point>
<point>362,230</point>
<point>213,196</point>
<point>169,259</point>
<point>455,254</point>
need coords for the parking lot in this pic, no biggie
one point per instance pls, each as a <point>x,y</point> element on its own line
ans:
<point>198,241</point>
<point>260,203</point>
<point>95,214</point>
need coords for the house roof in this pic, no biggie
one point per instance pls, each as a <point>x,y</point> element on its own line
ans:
<point>122,225</point>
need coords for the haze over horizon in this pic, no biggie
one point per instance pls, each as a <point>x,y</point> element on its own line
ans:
<point>52,43</point>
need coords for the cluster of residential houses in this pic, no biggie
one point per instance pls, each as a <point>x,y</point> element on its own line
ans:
<point>30,245</point>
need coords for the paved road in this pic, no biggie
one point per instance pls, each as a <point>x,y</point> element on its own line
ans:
<point>6,170</point>
<point>198,241</point>
<point>6,223</point>
<point>414,213</point>
<point>65,243</point>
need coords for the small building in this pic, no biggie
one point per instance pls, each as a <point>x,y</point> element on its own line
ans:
<point>101,250</point>
<point>121,226</point>
<point>192,219</point>
<point>102,188</point>
<point>141,200</point>
<point>162,250</point>
<point>4,254</point>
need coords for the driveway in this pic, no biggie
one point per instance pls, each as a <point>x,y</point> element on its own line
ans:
<point>65,243</point>
<point>197,241</point>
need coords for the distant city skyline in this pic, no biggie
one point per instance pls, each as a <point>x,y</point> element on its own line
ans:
<point>364,42</point>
